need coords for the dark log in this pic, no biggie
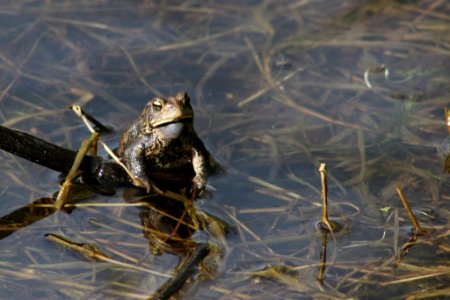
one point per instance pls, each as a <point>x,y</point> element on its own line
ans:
<point>94,168</point>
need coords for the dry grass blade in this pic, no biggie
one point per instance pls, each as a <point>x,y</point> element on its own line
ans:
<point>439,271</point>
<point>74,171</point>
<point>92,252</point>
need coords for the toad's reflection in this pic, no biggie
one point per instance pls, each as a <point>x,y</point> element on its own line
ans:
<point>166,225</point>
<point>170,220</point>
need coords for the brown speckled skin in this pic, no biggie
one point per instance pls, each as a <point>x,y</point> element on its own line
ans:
<point>146,146</point>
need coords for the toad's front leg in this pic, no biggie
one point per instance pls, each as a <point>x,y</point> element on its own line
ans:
<point>136,163</point>
<point>199,163</point>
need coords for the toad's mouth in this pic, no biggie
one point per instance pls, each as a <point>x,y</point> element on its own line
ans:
<point>173,130</point>
<point>171,120</point>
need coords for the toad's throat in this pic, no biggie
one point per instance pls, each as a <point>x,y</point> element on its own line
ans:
<point>173,130</point>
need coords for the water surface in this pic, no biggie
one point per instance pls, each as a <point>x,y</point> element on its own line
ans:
<point>278,88</point>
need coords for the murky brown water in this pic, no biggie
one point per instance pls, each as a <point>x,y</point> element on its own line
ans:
<point>278,88</point>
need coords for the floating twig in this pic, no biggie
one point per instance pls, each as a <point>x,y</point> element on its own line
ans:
<point>417,230</point>
<point>174,284</point>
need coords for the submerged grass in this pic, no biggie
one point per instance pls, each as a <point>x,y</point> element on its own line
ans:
<point>278,88</point>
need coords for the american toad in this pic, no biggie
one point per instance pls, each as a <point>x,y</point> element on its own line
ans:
<point>164,138</point>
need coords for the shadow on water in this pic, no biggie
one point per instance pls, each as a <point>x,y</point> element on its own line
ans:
<point>278,87</point>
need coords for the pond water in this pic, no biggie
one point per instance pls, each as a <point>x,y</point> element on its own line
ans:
<point>278,87</point>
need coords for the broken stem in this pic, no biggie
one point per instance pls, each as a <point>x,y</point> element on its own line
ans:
<point>416,227</point>
<point>323,180</point>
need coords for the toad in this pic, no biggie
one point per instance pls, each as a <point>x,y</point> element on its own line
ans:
<point>164,138</point>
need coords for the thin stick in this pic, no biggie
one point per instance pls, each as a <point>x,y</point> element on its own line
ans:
<point>417,229</point>
<point>323,180</point>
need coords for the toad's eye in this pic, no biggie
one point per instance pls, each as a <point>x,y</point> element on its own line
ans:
<point>157,104</point>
